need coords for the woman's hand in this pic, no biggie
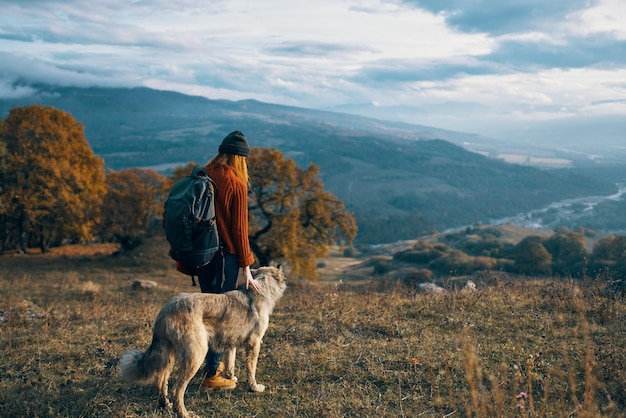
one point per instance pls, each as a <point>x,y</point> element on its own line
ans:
<point>250,282</point>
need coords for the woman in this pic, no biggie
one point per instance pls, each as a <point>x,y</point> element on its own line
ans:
<point>229,170</point>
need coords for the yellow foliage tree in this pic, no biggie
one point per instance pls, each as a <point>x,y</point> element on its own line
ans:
<point>132,203</point>
<point>292,218</point>
<point>51,181</point>
<point>182,171</point>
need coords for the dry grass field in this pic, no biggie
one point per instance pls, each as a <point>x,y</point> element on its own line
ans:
<point>514,348</point>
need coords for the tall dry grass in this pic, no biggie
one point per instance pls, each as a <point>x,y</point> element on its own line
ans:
<point>523,348</point>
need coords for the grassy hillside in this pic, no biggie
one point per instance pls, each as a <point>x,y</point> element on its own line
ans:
<point>516,347</point>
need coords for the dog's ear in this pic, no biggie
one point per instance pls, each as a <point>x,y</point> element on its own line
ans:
<point>280,275</point>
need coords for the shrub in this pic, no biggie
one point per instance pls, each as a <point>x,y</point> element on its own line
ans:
<point>349,252</point>
<point>532,257</point>
<point>609,253</point>
<point>422,253</point>
<point>381,267</point>
<point>411,278</point>
<point>459,262</point>
<point>568,252</point>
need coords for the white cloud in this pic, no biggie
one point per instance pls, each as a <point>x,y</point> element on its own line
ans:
<point>10,91</point>
<point>534,37</point>
<point>604,108</point>
<point>319,53</point>
<point>607,16</point>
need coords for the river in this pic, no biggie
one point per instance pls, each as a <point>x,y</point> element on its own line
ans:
<point>561,213</point>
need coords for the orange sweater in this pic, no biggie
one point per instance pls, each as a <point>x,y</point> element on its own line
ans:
<point>231,212</point>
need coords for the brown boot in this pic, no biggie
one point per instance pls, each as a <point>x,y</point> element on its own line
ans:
<point>220,368</point>
<point>218,382</point>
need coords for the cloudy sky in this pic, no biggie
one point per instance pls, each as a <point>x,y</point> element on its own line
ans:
<point>470,65</point>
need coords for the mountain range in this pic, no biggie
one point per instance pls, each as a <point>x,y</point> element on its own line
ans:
<point>593,137</point>
<point>399,180</point>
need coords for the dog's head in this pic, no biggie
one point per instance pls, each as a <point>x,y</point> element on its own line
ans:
<point>272,278</point>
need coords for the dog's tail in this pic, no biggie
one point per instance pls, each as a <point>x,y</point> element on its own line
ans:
<point>139,367</point>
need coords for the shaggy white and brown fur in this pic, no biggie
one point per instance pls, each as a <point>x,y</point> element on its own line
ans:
<point>190,323</point>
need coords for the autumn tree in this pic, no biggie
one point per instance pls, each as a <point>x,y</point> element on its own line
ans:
<point>51,181</point>
<point>610,253</point>
<point>292,217</point>
<point>133,201</point>
<point>182,171</point>
<point>532,257</point>
<point>568,252</point>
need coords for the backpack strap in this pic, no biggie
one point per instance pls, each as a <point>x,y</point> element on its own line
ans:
<point>223,272</point>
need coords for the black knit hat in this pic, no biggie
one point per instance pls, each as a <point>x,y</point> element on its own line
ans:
<point>235,143</point>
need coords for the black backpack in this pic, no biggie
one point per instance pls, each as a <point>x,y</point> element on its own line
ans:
<point>189,222</point>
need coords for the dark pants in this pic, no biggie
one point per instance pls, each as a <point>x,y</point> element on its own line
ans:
<point>219,276</point>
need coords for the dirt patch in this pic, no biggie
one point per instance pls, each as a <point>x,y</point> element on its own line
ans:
<point>80,250</point>
<point>332,268</point>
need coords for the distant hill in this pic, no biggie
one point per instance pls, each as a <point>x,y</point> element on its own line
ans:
<point>400,180</point>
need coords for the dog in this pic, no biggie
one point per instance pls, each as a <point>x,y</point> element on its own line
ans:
<point>190,323</point>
